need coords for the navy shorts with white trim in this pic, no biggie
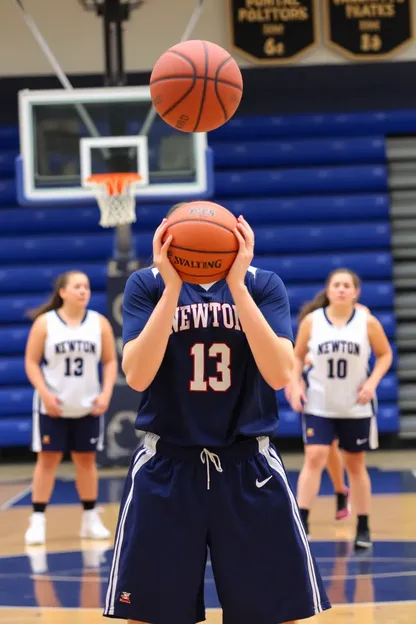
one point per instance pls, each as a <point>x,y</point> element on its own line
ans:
<point>81,435</point>
<point>354,434</point>
<point>235,503</point>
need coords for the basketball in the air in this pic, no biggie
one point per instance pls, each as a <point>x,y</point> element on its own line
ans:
<point>196,86</point>
<point>204,245</point>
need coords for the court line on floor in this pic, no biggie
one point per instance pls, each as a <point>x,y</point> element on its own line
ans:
<point>16,498</point>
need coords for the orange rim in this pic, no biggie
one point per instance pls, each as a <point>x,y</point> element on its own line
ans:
<point>116,183</point>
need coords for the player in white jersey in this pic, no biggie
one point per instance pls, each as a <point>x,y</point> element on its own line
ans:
<point>66,344</point>
<point>335,464</point>
<point>340,393</point>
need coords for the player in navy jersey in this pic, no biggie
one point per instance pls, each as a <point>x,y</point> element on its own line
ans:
<point>208,360</point>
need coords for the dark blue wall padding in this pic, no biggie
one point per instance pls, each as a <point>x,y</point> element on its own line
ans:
<point>13,338</point>
<point>262,210</point>
<point>14,309</point>
<point>376,295</point>
<point>7,191</point>
<point>311,180</point>
<point>38,278</point>
<point>300,152</point>
<point>370,265</point>
<point>317,125</point>
<point>269,240</point>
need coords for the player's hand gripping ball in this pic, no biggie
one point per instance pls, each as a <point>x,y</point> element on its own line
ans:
<point>204,245</point>
<point>196,86</point>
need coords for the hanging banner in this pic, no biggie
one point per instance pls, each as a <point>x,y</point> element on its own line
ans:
<point>368,29</point>
<point>273,32</point>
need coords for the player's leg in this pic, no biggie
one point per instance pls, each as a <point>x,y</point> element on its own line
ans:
<point>260,555</point>
<point>318,434</point>
<point>356,437</point>
<point>49,442</point>
<point>336,470</point>
<point>85,436</point>
<point>160,548</point>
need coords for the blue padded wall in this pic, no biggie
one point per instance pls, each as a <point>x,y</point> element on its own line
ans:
<point>314,187</point>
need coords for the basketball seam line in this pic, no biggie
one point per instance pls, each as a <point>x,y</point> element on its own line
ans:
<point>185,58</point>
<point>204,90</point>
<point>201,251</point>
<point>202,221</point>
<point>224,110</point>
<point>185,95</point>
<point>208,78</point>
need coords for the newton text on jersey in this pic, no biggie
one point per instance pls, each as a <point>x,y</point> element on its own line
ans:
<point>78,346</point>
<point>202,315</point>
<point>338,346</point>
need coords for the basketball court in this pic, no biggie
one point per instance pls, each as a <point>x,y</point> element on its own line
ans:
<point>65,582</point>
<point>68,137</point>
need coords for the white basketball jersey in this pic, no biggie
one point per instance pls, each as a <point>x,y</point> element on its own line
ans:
<point>72,355</point>
<point>340,360</point>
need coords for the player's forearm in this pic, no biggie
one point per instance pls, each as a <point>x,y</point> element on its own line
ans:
<point>110,371</point>
<point>297,371</point>
<point>143,356</point>
<point>35,376</point>
<point>273,358</point>
<point>381,367</point>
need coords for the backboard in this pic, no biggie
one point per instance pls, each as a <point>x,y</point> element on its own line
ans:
<point>67,135</point>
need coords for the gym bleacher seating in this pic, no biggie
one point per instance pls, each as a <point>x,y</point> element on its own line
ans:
<point>314,187</point>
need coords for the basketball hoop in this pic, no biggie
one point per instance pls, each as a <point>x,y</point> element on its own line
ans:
<point>115,197</point>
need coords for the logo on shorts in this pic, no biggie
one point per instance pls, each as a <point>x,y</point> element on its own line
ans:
<point>310,432</point>
<point>93,440</point>
<point>46,439</point>
<point>363,441</point>
<point>125,597</point>
<point>261,483</point>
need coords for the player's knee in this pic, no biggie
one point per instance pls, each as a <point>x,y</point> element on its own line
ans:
<point>49,460</point>
<point>316,457</point>
<point>355,463</point>
<point>84,461</point>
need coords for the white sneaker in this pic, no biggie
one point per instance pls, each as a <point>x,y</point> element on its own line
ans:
<point>92,526</point>
<point>36,533</point>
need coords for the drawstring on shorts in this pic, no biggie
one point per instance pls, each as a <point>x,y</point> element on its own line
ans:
<point>207,457</point>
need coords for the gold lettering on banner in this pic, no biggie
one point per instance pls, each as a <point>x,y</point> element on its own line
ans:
<point>273,31</point>
<point>369,29</point>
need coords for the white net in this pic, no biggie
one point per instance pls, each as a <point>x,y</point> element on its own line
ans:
<point>116,209</point>
<point>116,201</point>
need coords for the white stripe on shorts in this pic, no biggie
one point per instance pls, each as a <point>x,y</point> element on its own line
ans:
<point>275,463</point>
<point>36,437</point>
<point>144,454</point>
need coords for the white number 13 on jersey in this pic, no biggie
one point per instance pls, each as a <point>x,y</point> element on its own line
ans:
<point>222,381</point>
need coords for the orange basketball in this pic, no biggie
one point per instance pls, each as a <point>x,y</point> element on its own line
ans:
<point>196,86</point>
<point>204,245</point>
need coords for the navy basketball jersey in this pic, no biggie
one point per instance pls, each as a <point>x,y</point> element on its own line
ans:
<point>208,390</point>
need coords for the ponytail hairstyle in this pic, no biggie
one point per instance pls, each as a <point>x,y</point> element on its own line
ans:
<point>321,298</point>
<point>55,301</point>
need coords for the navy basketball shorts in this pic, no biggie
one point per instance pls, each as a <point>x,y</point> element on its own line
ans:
<point>354,434</point>
<point>82,435</point>
<point>235,504</point>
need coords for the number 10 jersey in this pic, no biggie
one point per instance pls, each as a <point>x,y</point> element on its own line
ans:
<point>339,366</point>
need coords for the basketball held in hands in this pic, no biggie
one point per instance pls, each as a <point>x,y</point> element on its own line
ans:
<point>204,245</point>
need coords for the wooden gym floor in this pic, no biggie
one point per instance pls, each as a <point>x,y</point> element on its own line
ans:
<point>65,582</point>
